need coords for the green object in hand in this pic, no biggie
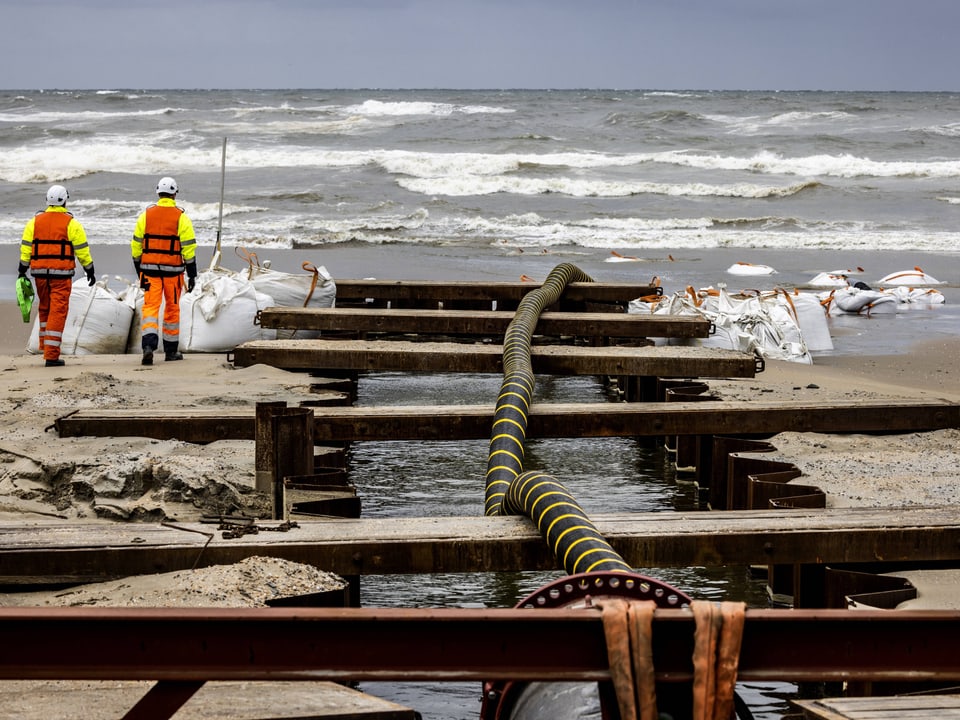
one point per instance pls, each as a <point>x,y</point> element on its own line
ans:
<point>25,297</point>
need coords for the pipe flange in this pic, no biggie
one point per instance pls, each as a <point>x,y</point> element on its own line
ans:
<point>584,588</point>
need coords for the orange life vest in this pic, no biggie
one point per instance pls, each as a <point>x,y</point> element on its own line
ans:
<point>161,241</point>
<point>52,254</point>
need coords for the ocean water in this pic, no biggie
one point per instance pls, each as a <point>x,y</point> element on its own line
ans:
<point>447,184</point>
<point>635,171</point>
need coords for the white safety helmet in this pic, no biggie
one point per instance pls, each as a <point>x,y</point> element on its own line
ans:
<point>167,186</point>
<point>57,195</point>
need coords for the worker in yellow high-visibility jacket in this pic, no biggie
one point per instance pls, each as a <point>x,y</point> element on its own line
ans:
<point>52,243</point>
<point>163,246</point>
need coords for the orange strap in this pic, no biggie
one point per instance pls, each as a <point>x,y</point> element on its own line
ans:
<point>790,304</point>
<point>716,656</point>
<point>311,268</point>
<point>827,302</point>
<point>250,257</point>
<point>627,627</point>
<point>905,274</point>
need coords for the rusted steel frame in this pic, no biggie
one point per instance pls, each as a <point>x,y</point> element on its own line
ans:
<point>291,452</point>
<point>85,553</point>
<point>626,419</point>
<point>164,700</point>
<point>443,357</point>
<point>440,290</point>
<point>262,435</point>
<point>481,322</point>
<point>455,644</point>
<point>182,424</point>
<point>693,419</point>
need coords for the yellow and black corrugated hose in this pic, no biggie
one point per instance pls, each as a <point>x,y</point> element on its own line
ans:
<point>575,540</point>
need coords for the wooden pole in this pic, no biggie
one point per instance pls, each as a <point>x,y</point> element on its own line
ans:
<point>215,260</point>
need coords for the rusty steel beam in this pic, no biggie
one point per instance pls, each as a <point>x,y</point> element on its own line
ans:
<point>164,700</point>
<point>408,422</point>
<point>449,357</point>
<point>33,553</point>
<point>509,291</point>
<point>481,322</point>
<point>188,645</point>
<point>600,419</point>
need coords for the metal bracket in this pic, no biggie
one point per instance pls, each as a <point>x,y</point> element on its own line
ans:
<point>759,363</point>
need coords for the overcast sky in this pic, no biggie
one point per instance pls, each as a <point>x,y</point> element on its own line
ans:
<point>620,44</point>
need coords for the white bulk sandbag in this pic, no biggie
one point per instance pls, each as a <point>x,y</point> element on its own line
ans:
<point>221,313</point>
<point>748,323</point>
<point>811,316</point>
<point>133,295</point>
<point>916,296</point>
<point>98,322</point>
<point>745,268</point>
<point>862,301</point>
<point>913,278</point>
<point>315,288</point>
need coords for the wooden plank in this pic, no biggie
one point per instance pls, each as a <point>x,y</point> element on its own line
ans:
<point>44,552</point>
<point>481,322</point>
<point>545,420</point>
<point>238,700</point>
<point>881,708</point>
<point>378,355</point>
<point>510,291</point>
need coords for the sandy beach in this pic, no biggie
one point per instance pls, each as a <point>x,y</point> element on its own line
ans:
<point>140,479</point>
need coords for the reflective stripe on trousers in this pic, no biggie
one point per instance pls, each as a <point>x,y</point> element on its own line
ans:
<point>166,291</point>
<point>53,296</point>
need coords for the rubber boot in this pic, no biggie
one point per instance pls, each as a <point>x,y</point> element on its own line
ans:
<point>171,351</point>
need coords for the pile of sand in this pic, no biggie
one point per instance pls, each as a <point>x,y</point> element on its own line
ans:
<point>252,582</point>
<point>129,478</point>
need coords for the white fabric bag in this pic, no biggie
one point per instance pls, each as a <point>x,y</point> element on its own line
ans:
<point>98,322</point>
<point>221,313</point>
<point>748,323</point>
<point>315,289</point>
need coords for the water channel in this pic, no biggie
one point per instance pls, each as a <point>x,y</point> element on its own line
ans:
<point>446,479</point>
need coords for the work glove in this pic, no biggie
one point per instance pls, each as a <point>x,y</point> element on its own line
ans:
<point>91,275</point>
<point>191,275</point>
<point>21,272</point>
<point>144,283</point>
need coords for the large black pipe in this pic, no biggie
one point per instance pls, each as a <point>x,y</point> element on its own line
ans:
<point>576,543</point>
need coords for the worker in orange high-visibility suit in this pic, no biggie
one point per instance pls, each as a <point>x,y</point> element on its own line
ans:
<point>164,245</point>
<point>53,241</point>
